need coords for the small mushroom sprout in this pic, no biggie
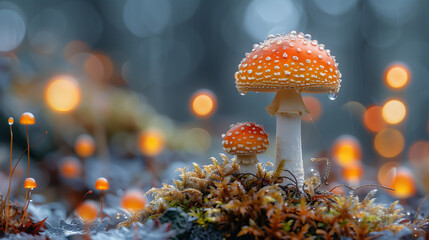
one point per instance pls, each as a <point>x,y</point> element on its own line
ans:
<point>101,184</point>
<point>246,140</point>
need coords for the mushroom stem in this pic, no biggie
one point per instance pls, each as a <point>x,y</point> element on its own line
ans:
<point>247,163</point>
<point>289,107</point>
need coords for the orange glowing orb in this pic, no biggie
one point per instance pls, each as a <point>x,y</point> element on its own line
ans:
<point>373,119</point>
<point>101,184</point>
<point>27,118</point>
<point>70,168</point>
<point>346,150</point>
<point>133,200</point>
<point>30,183</point>
<point>314,106</point>
<point>419,152</point>
<point>387,173</point>
<point>352,173</point>
<point>397,76</point>
<point>98,67</point>
<point>62,93</point>
<point>389,142</point>
<point>394,111</point>
<point>84,146</point>
<point>403,184</point>
<point>74,47</point>
<point>203,103</point>
<point>87,211</point>
<point>151,142</point>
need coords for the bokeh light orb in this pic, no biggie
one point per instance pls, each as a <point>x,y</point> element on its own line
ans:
<point>394,111</point>
<point>419,152</point>
<point>404,184</point>
<point>387,173</point>
<point>133,200</point>
<point>84,146</point>
<point>389,142</point>
<point>203,103</point>
<point>262,19</point>
<point>62,93</point>
<point>346,150</point>
<point>146,18</point>
<point>314,106</point>
<point>87,211</point>
<point>373,119</point>
<point>397,76</point>
<point>151,142</point>
<point>197,140</point>
<point>70,168</point>
<point>352,173</point>
<point>12,29</point>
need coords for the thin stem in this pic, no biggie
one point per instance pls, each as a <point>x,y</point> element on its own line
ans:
<point>83,198</point>
<point>25,209</point>
<point>22,154</point>
<point>28,152</point>
<point>101,206</point>
<point>418,209</point>
<point>10,180</point>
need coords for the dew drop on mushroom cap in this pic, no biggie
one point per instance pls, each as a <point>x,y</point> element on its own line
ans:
<point>289,64</point>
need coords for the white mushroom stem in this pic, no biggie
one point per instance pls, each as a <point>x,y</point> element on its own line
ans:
<point>289,107</point>
<point>247,163</point>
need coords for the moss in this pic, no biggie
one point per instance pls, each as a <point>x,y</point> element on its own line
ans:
<point>260,206</point>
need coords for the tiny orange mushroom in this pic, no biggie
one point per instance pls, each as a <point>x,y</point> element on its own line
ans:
<point>246,140</point>
<point>30,183</point>
<point>101,184</point>
<point>27,118</point>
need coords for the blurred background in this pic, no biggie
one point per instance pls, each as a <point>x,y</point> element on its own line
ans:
<point>135,86</point>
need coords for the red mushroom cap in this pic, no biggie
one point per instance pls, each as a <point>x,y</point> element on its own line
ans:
<point>286,62</point>
<point>245,139</point>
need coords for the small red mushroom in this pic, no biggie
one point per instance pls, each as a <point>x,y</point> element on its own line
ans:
<point>246,140</point>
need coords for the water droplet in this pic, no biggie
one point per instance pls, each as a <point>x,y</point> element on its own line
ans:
<point>332,96</point>
<point>243,93</point>
<point>326,183</point>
